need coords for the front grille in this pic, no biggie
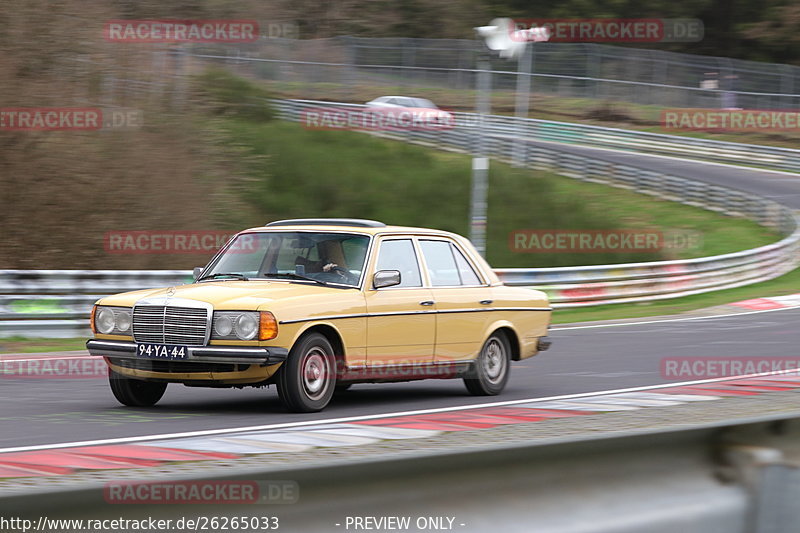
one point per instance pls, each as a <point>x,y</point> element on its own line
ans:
<point>151,365</point>
<point>160,324</point>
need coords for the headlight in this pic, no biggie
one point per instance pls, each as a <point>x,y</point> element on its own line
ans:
<point>123,321</point>
<point>104,320</point>
<point>235,325</point>
<point>244,326</point>
<point>223,325</point>
<point>247,326</point>
<point>112,320</point>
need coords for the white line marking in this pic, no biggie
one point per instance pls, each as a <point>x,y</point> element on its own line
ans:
<point>685,319</point>
<point>226,431</point>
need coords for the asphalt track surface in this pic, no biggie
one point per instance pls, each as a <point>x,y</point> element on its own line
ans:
<point>782,187</point>
<point>584,359</point>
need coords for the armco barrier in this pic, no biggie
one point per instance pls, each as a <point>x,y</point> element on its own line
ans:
<point>56,303</point>
<point>652,143</point>
<point>33,307</point>
<point>513,128</point>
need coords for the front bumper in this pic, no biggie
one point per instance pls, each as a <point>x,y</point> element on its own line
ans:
<point>197,354</point>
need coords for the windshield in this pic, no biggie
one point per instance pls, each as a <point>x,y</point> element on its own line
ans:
<point>324,257</point>
<point>422,102</point>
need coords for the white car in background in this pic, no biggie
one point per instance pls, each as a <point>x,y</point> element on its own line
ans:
<point>421,111</point>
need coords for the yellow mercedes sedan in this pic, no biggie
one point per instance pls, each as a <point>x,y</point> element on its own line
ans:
<point>316,305</point>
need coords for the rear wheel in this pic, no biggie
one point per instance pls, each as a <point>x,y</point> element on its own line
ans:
<point>306,380</point>
<point>135,392</point>
<point>490,374</point>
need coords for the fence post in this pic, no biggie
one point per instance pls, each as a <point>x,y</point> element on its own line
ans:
<point>480,160</point>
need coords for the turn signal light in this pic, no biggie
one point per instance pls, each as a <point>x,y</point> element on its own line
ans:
<point>267,326</point>
<point>91,319</point>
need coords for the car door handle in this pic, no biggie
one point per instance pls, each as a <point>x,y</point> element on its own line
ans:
<point>485,302</point>
<point>427,302</point>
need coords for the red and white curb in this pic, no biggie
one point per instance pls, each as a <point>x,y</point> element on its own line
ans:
<point>155,450</point>
<point>775,302</point>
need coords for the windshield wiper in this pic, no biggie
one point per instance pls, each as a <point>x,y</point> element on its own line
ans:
<point>224,275</point>
<point>298,277</point>
<point>292,275</point>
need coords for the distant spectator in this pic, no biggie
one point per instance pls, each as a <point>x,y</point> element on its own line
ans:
<point>711,83</point>
<point>730,84</point>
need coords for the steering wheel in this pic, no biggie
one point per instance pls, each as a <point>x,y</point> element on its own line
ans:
<point>344,273</point>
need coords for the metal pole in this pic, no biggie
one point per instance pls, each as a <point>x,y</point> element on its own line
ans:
<point>523,96</point>
<point>480,162</point>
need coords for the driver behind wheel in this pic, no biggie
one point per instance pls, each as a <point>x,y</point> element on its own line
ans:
<point>331,265</point>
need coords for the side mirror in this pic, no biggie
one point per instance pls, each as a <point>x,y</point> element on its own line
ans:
<point>197,272</point>
<point>386,278</point>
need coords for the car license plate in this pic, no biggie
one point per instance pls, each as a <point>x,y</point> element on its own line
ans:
<point>161,351</point>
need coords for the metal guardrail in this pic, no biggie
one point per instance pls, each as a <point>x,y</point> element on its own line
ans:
<point>56,303</point>
<point>776,158</point>
<point>738,476</point>
<point>512,128</point>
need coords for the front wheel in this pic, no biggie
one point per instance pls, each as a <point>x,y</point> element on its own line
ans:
<point>490,374</point>
<point>306,380</point>
<point>135,392</point>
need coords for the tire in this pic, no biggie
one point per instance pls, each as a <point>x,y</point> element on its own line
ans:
<point>135,392</point>
<point>490,374</point>
<point>306,380</point>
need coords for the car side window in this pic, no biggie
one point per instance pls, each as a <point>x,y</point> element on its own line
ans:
<point>399,254</point>
<point>441,263</point>
<point>468,275</point>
